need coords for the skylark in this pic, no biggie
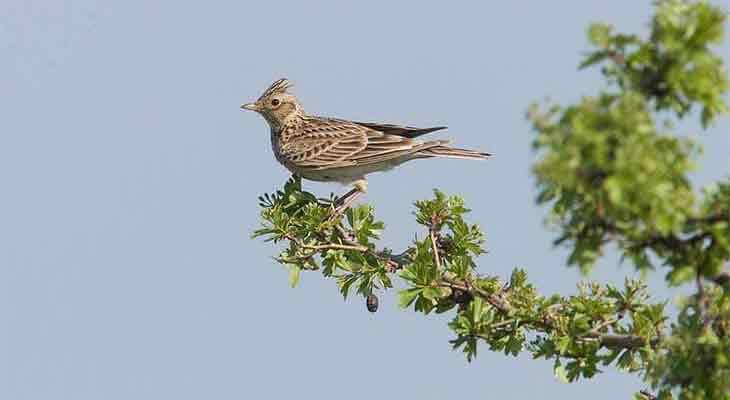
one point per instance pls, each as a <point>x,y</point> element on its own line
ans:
<point>337,150</point>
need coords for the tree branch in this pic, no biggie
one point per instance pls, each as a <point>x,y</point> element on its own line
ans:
<point>629,342</point>
<point>329,246</point>
<point>494,300</point>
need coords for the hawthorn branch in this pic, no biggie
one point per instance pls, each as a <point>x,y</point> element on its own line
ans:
<point>395,262</point>
<point>494,300</point>
<point>624,341</point>
<point>630,342</point>
<point>328,246</point>
<point>603,226</point>
<point>344,239</point>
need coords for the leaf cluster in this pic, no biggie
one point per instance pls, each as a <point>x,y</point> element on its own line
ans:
<point>596,327</point>
<point>675,66</point>
<point>612,174</point>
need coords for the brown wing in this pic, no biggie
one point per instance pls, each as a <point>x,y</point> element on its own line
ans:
<point>323,143</point>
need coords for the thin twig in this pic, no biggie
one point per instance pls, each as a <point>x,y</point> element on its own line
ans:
<point>604,324</point>
<point>499,325</point>
<point>395,261</point>
<point>436,256</point>
<point>329,246</point>
<point>494,300</point>
<point>334,246</point>
<point>623,341</point>
<point>346,235</point>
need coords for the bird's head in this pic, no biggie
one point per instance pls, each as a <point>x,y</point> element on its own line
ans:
<point>275,104</point>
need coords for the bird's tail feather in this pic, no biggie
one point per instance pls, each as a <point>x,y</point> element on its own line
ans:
<point>452,152</point>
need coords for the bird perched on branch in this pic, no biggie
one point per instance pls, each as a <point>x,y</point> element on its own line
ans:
<point>337,150</point>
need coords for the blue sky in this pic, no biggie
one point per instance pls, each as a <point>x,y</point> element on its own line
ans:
<point>129,180</point>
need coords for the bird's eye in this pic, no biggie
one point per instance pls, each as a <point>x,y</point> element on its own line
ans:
<point>275,102</point>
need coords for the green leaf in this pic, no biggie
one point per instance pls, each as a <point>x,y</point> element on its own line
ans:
<point>599,34</point>
<point>592,59</point>
<point>431,293</point>
<point>407,296</point>
<point>681,275</point>
<point>560,373</point>
<point>294,273</point>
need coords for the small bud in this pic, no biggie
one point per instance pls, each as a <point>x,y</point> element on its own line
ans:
<point>445,245</point>
<point>371,302</point>
<point>461,297</point>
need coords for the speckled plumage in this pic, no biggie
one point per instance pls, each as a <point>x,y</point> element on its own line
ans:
<point>330,149</point>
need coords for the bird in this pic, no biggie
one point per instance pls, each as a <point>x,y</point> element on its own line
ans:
<point>337,150</point>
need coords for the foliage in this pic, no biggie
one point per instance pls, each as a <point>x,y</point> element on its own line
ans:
<point>598,326</point>
<point>611,172</point>
<point>675,67</point>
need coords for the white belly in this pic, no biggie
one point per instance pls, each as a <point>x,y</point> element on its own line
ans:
<point>346,175</point>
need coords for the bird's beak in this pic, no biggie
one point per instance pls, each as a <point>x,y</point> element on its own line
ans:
<point>250,106</point>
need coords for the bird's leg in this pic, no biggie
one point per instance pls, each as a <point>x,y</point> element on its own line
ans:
<point>342,199</point>
<point>360,188</point>
<point>347,202</point>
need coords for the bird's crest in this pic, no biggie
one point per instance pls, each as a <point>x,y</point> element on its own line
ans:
<point>279,86</point>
